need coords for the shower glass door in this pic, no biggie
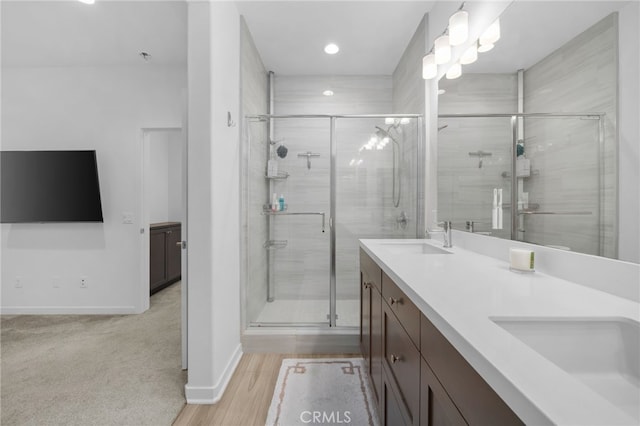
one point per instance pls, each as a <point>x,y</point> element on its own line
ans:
<point>288,262</point>
<point>376,191</point>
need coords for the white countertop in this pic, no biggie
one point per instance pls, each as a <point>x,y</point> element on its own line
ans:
<point>460,292</point>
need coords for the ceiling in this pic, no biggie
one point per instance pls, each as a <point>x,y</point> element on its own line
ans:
<point>372,35</point>
<point>290,35</point>
<point>69,33</point>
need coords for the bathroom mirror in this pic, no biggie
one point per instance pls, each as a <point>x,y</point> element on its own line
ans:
<point>555,125</point>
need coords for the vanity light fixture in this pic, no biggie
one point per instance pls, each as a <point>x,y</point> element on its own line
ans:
<point>459,27</point>
<point>442,49</point>
<point>429,67</point>
<point>485,48</point>
<point>454,71</point>
<point>491,34</point>
<point>405,120</point>
<point>328,93</point>
<point>331,49</point>
<point>389,120</point>
<point>470,55</point>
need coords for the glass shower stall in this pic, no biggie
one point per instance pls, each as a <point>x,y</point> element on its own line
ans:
<point>312,186</point>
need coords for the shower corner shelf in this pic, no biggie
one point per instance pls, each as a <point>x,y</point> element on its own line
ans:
<point>266,209</point>
<point>275,244</point>
<point>280,175</point>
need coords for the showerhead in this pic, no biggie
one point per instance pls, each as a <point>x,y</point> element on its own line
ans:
<point>381,133</point>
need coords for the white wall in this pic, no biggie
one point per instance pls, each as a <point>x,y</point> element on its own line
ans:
<point>629,133</point>
<point>101,108</point>
<point>165,178</point>
<point>213,236</point>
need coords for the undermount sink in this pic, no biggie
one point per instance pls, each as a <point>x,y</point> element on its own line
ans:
<point>602,353</point>
<point>412,247</point>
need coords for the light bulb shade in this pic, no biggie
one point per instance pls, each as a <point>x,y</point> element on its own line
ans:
<point>443,50</point>
<point>470,55</point>
<point>491,34</point>
<point>485,48</point>
<point>458,28</point>
<point>429,67</point>
<point>454,71</point>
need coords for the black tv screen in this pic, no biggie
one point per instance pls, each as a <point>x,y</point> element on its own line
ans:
<point>49,186</point>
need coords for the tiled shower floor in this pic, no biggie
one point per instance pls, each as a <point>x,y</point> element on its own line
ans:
<point>310,311</point>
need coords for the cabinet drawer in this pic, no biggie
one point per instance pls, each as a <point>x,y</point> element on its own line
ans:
<point>402,360</point>
<point>372,274</point>
<point>475,399</point>
<point>405,310</point>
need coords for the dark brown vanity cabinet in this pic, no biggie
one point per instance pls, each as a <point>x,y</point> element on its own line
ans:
<point>419,378</point>
<point>165,252</point>
<point>371,321</point>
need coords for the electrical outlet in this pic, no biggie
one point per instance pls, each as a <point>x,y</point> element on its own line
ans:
<point>56,282</point>
<point>84,282</point>
<point>18,282</point>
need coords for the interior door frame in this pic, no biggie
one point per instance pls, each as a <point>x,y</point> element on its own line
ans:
<point>144,230</point>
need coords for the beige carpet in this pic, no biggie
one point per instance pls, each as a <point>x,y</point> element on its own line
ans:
<point>328,391</point>
<point>93,369</point>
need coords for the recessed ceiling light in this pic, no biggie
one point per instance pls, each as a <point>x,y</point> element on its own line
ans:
<point>331,49</point>
<point>87,1</point>
<point>328,93</point>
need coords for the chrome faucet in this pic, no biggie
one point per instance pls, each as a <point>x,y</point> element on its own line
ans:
<point>446,233</point>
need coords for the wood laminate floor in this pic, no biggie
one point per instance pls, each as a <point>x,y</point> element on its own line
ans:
<point>248,396</point>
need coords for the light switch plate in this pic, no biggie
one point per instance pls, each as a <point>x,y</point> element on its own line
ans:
<point>127,218</point>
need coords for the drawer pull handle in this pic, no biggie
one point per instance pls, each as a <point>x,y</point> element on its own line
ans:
<point>367,285</point>
<point>393,301</point>
<point>394,358</point>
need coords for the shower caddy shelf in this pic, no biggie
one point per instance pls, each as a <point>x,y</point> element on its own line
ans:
<point>280,176</point>
<point>268,212</point>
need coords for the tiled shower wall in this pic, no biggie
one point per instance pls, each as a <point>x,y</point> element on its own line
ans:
<point>301,270</point>
<point>254,101</point>
<point>465,187</point>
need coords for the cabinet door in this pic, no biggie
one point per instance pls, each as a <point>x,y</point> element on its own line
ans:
<point>401,363</point>
<point>376,342</point>
<point>174,253</point>
<point>392,411</point>
<point>365,320</point>
<point>157,246</point>
<point>436,408</point>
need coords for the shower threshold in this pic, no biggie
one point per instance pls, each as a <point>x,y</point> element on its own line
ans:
<point>308,313</point>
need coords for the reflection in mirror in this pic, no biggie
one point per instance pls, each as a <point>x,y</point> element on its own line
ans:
<point>536,119</point>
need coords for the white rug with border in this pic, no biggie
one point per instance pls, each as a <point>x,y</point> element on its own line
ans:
<point>328,391</point>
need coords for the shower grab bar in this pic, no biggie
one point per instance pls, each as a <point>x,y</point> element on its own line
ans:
<point>558,213</point>
<point>297,214</point>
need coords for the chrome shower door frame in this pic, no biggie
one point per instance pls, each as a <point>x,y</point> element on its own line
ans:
<point>420,195</point>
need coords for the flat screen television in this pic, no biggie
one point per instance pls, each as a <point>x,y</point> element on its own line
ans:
<point>49,186</point>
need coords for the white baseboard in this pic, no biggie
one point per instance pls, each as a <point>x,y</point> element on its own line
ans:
<point>213,394</point>
<point>68,310</point>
